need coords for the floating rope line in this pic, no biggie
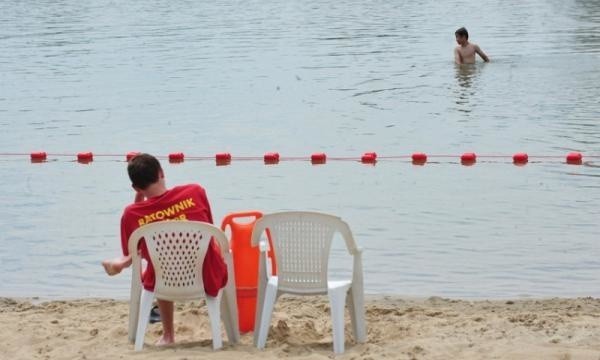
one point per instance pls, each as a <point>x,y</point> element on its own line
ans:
<point>272,158</point>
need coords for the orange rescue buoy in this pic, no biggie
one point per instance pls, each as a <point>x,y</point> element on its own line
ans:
<point>245,264</point>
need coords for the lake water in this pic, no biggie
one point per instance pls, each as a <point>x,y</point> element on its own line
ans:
<point>298,77</point>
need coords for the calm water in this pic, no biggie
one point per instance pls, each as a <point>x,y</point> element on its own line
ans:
<point>298,77</point>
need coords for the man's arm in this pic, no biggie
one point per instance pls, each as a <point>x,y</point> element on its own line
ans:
<point>457,57</point>
<point>115,266</point>
<point>481,53</point>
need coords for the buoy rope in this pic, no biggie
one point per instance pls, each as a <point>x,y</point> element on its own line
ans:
<point>315,158</point>
<point>195,157</point>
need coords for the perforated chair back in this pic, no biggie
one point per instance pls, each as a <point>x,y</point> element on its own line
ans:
<point>301,244</point>
<point>177,250</point>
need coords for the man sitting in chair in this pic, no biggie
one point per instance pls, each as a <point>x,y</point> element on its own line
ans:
<point>154,202</point>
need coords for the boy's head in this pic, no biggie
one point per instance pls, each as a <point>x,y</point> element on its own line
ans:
<point>462,36</point>
<point>144,170</point>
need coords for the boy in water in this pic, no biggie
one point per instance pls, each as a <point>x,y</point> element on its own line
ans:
<point>464,53</point>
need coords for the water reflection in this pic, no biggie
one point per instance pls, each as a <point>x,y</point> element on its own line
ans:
<point>295,77</point>
<point>587,29</point>
<point>466,75</point>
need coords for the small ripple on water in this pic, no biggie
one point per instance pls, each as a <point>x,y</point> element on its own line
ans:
<point>206,69</point>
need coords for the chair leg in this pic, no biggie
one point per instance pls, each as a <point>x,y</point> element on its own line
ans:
<point>356,306</point>
<point>266,313</point>
<point>226,319</point>
<point>233,314</point>
<point>134,308</point>
<point>229,311</point>
<point>134,313</point>
<point>260,297</point>
<point>336,301</point>
<point>214,315</point>
<point>143,318</point>
<point>229,314</point>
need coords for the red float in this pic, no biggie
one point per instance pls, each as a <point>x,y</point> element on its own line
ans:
<point>130,155</point>
<point>223,159</point>
<point>419,158</point>
<point>574,158</point>
<point>369,158</point>
<point>468,159</point>
<point>176,157</point>
<point>271,158</point>
<point>318,158</point>
<point>38,156</point>
<point>520,158</point>
<point>85,157</point>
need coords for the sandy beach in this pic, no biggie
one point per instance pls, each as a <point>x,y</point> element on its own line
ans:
<point>398,328</point>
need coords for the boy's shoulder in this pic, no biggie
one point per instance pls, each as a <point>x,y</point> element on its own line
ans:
<point>192,188</point>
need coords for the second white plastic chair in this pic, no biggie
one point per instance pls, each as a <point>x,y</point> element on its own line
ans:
<point>177,250</point>
<point>301,244</point>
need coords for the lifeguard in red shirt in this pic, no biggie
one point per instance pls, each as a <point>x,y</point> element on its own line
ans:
<point>154,202</point>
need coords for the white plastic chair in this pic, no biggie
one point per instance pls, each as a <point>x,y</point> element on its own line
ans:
<point>177,250</point>
<point>301,244</point>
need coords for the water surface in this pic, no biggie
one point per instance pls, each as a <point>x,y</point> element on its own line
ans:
<point>341,77</point>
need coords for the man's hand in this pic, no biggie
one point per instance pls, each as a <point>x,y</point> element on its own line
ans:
<point>115,266</point>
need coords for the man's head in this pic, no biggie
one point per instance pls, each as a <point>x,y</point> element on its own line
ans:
<point>462,36</point>
<point>144,170</point>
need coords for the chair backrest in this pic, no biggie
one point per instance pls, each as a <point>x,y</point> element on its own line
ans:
<point>177,250</point>
<point>301,243</point>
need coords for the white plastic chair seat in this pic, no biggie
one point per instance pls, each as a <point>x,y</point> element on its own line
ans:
<point>177,250</point>
<point>301,244</point>
<point>332,285</point>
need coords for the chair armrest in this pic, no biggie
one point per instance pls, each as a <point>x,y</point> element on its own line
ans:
<point>356,251</point>
<point>262,246</point>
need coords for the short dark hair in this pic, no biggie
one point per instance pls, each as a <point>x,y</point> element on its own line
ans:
<point>462,32</point>
<point>143,170</point>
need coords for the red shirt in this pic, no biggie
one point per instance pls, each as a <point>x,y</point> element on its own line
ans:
<point>186,202</point>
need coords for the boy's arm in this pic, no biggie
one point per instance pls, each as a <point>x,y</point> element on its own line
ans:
<point>457,56</point>
<point>115,266</point>
<point>481,53</point>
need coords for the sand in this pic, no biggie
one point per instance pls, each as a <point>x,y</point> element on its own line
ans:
<point>398,328</point>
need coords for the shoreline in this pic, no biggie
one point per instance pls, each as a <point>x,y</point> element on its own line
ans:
<point>398,328</point>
